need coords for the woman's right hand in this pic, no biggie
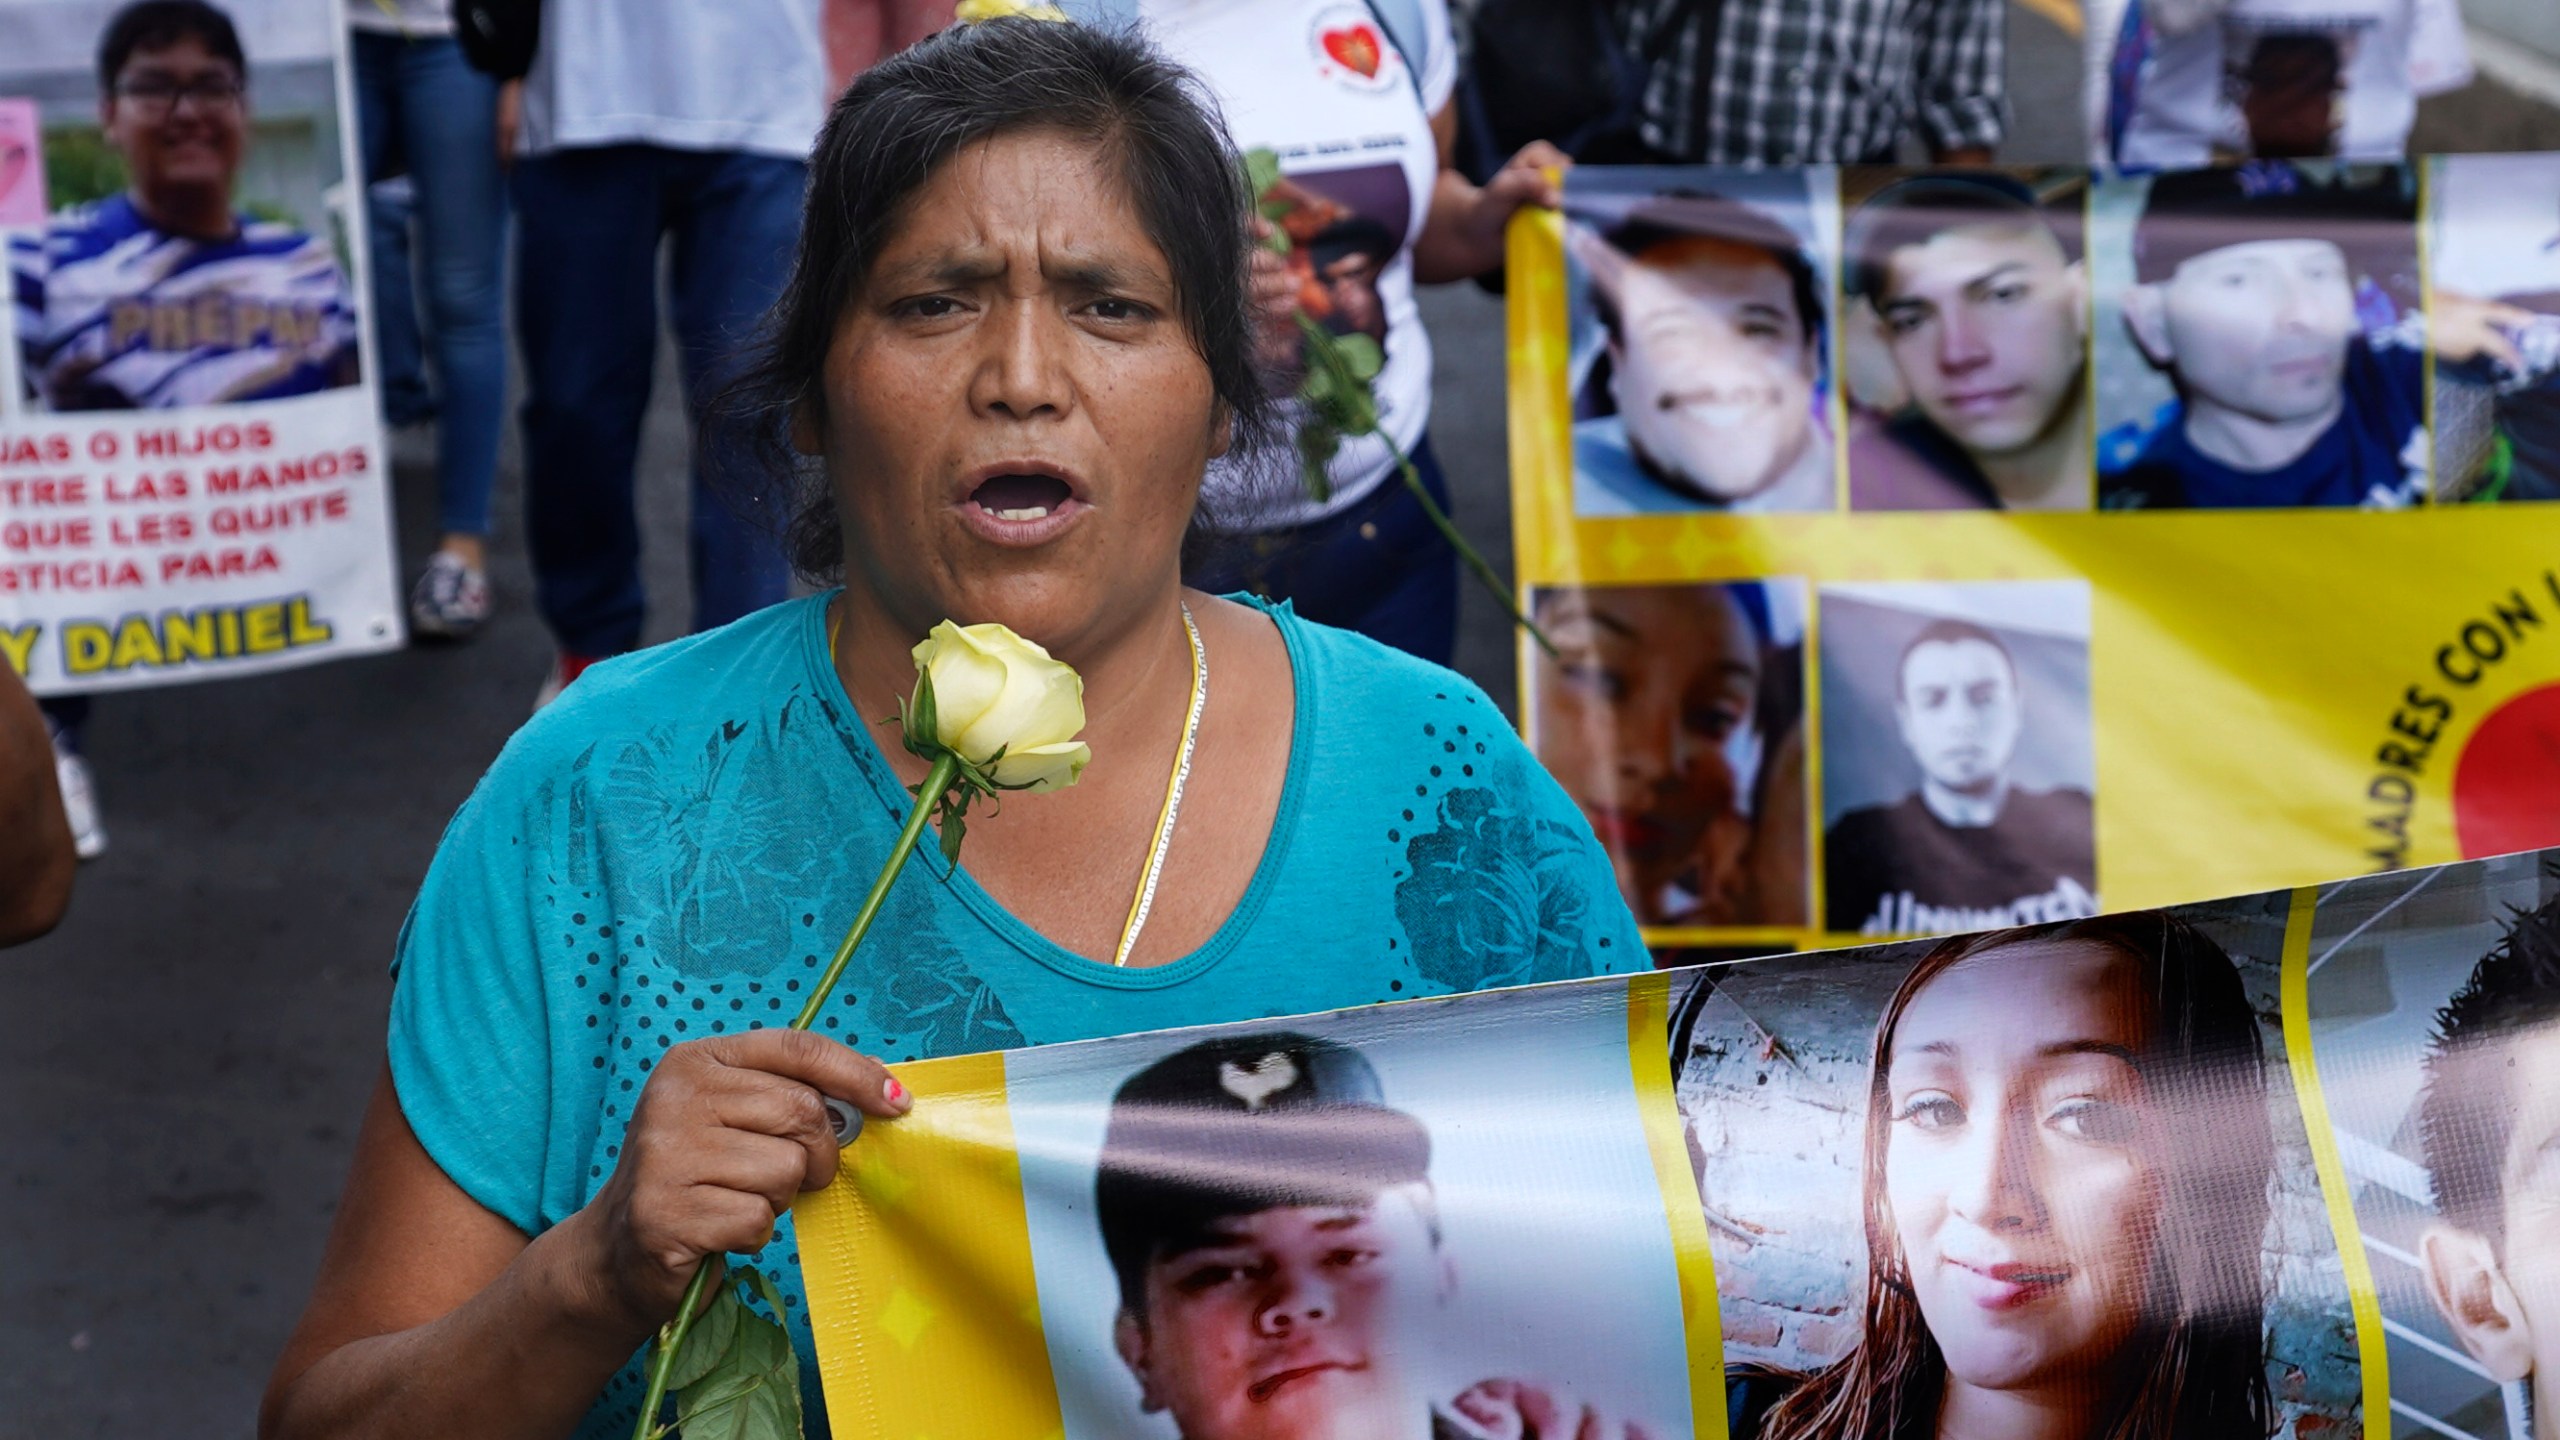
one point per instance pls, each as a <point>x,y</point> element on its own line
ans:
<point>727,1133</point>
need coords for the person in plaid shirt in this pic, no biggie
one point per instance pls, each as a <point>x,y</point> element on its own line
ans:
<point>1818,82</point>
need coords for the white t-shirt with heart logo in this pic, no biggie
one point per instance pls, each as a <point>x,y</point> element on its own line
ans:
<point>1323,84</point>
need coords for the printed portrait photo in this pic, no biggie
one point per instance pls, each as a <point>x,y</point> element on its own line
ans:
<point>1345,1226</point>
<point>1674,717</point>
<point>1957,771</point>
<point>1964,340</point>
<point>1701,355</point>
<point>1344,227</point>
<point>2435,1019</point>
<point>2494,247</point>
<point>2258,340</point>
<point>2053,1171</point>
<point>189,251</point>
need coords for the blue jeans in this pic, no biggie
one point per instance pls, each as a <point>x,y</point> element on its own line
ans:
<point>1381,567</point>
<point>422,109</point>
<point>390,208</point>
<point>588,226</point>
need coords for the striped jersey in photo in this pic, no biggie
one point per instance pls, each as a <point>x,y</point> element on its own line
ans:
<point>113,314</point>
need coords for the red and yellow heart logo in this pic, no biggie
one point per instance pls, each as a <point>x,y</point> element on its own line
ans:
<point>1356,48</point>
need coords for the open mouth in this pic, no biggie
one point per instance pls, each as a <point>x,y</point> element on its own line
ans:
<point>1021,497</point>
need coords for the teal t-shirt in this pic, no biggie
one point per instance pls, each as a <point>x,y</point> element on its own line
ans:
<point>674,848</point>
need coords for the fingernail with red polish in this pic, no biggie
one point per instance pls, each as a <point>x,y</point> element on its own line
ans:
<point>895,1093</point>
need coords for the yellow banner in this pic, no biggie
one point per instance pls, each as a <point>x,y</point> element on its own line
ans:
<point>2246,1168</point>
<point>2209,677</point>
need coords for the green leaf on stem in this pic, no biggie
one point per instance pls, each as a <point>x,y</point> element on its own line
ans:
<point>708,1342</point>
<point>752,1394</point>
<point>922,725</point>
<point>1336,387</point>
<point>1361,356</point>
<point>765,1290</point>
<point>955,825</point>
<point>1261,170</point>
<point>1317,442</point>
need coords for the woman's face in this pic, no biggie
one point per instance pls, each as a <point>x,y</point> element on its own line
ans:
<point>1638,716</point>
<point>2021,1168</point>
<point>1016,418</point>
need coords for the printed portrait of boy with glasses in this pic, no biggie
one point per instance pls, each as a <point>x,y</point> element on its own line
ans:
<point>165,295</point>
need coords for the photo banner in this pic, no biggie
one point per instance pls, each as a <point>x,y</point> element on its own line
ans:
<point>2277,1165</point>
<point>1934,551</point>
<point>193,480</point>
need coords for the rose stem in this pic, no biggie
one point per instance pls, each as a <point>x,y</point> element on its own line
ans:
<point>946,768</point>
<point>1449,531</point>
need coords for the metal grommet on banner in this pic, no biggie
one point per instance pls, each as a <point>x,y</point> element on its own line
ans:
<point>848,1121</point>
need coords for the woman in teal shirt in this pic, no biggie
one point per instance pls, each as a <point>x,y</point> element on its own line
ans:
<point>1016,336</point>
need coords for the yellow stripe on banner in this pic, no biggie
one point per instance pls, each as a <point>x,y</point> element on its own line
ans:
<point>1649,1056</point>
<point>1540,411</point>
<point>2361,1296</point>
<point>918,1267</point>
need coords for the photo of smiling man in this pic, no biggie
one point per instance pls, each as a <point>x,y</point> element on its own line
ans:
<point>1970,288</point>
<point>1701,345</point>
<point>2271,309</point>
<point>166,293</point>
<point>1956,757</point>
<point>1333,1228</point>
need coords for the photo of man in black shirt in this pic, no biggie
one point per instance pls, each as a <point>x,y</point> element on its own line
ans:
<point>1968,849</point>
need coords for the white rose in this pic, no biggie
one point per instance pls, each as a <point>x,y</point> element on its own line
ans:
<point>995,691</point>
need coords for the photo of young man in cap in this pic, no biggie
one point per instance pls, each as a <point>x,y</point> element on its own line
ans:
<point>1712,314</point>
<point>1971,284</point>
<point>1276,1238</point>
<point>2274,300</point>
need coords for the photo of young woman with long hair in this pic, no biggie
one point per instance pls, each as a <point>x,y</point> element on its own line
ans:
<point>2067,1161</point>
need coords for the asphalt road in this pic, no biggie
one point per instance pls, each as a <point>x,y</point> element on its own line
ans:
<point>190,1052</point>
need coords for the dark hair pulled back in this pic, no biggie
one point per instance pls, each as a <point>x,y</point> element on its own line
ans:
<point>1146,118</point>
